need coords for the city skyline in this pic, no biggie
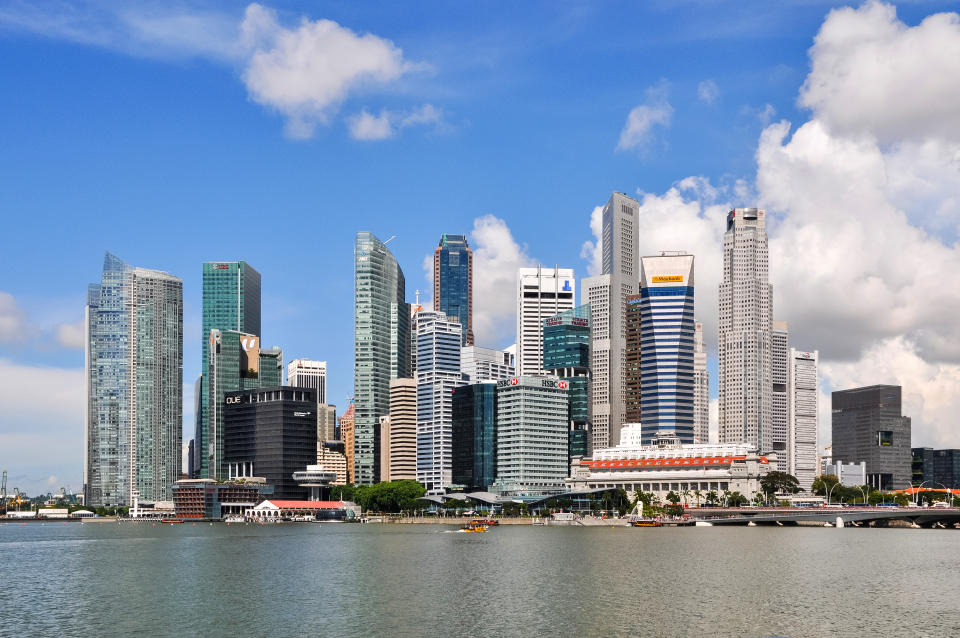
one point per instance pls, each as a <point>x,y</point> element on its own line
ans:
<point>850,246</point>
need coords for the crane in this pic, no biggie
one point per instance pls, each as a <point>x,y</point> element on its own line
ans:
<point>3,493</point>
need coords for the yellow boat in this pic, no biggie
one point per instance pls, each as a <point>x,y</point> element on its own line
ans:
<point>474,526</point>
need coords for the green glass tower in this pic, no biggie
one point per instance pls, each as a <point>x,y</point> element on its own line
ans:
<point>381,347</point>
<point>566,353</point>
<point>231,301</point>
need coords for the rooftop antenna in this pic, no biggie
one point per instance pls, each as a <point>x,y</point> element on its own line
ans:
<point>392,237</point>
<point>416,296</point>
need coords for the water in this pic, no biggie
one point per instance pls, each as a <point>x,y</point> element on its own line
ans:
<point>115,579</point>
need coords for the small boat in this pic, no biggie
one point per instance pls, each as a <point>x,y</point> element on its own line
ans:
<point>489,522</point>
<point>474,526</point>
<point>644,521</point>
<point>171,521</point>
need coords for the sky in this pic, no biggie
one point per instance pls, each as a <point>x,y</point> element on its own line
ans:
<point>173,133</point>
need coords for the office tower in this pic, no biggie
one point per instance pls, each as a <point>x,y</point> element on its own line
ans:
<point>607,404</point>
<point>231,301</point>
<point>481,364</point>
<point>474,438</point>
<point>438,373</point>
<point>701,388</point>
<point>134,385</point>
<point>381,347</point>
<point>195,450</point>
<point>664,309</point>
<point>305,373</point>
<point>779,399</point>
<point>566,355</point>
<point>802,426</point>
<point>330,454</point>
<point>236,363</point>
<point>399,462</point>
<point>347,435</point>
<point>541,293</point>
<point>532,418</point>
<point>744,343</point>
<point>632,372</point>
<point>937,469</point>
<point>271,432</point>
<point>326,422</point>
<point>453,282</point>
<point>868,426</point>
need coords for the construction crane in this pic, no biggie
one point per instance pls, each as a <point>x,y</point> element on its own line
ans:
<point>3,493</point>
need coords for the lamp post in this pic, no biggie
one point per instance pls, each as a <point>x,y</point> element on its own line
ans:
<point>916,495</point>
<point>831,491</point>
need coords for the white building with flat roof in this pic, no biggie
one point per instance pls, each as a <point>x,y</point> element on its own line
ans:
<point>802,419</point>
<point>486,364</point>
<point>541,293</point>
<point>306,373</point>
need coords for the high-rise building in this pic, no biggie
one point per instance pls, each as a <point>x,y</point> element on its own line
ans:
<point>566,355</point>
<point>381,347</point>
<point>802,417</point>
<point>868,427</point>
<point>195,451</point>
<point>482,364</point>
<point>453,282</point>
<point>474,439</point>
<point>271,432</point>
<point>326,422</point>
<point>438,373</point>
<point>400,461</point>
<point>347,435</point>
<point>936,469</point>
<point>231,301</point>
<point>541,293</point>
<point>532,425</point>
<point>744,342</point>
<point>134,385</point>
<point>305,373</point>
<point>701,388</point>
<point>607,406</point>
<point>779,395</point>
<point>237,362</point>
<point>330,454</point>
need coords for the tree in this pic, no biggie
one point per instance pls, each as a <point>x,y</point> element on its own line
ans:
<point>673,497</point>
<point>823,484</point>
<point>389,496</point>
<point>342,492</point>
<point>901,499</point>
<point>698,495</point>
<point>736,499</point>
<point>779,482</point>
<point>712,497</point>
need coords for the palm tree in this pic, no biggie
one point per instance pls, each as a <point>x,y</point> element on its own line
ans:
<point>698,494</point>
<point>685,494</point>
<point>712,497</point>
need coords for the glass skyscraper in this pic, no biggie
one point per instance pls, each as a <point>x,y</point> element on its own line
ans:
<point>475,435</point>
<point>231,301</point>
<point>134,375</point>
<point>566,354</point>
<point>381,347</point>
<point>453,282</point>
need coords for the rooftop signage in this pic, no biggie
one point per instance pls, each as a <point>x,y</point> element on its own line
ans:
<point>668,279</point>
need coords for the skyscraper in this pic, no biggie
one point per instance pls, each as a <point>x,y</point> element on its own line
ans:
<point>744,342</point>
<point>802,426</point>
<point>868,426</point>
<point>541,293</point>
<point>134,378</point>
<point>475,435</point>
<point>779,395</point>
<point>453,282</point>
<point>381,347</point>
<point>701,388</point>
<point>438,373</point>
<point>402,458</point>
<point>231,301</point>
<point>306,373</point>
<point>347,430</point>
<point>598,294</point>
<point>666,347</point>
<point>480,364</point>
<point>566,355</point>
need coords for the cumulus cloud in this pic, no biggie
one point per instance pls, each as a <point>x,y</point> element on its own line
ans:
<point>72,335</point>
<point>366,126</point>
<point>498,256</point>
<point>592,249</point>
<point>637,131</point>
<point>708,91</point>
<point>13,326</point>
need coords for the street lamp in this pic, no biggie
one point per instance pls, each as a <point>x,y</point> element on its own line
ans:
<point>916,494</point>
<point>831,491</point>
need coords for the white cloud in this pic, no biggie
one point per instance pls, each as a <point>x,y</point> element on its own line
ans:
<point>592,250</point>
<point>872,74</point>
<point>708,91</point>
<point>72,335</point>
<point>496,258</point>
<point>655,111</point>
<point>13,326</point>
<point>365,126</point>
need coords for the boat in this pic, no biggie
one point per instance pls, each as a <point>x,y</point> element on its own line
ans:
<point>643,521</point>
<point>171,520</point>
<point>474,526</point>
<point>489,522</point>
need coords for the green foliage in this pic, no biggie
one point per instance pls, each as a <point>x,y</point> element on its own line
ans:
<point>514,509</point>
<point>673,497</point>
<point>779,482</point>
<point>342,492</point>
<point>712,498</point>
<point>736,499</point>
<point>389,496</point>
<point>822,484</point>
<point>902,500</point>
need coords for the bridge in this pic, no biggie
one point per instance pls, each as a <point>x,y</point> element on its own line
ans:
<point>847,516</point>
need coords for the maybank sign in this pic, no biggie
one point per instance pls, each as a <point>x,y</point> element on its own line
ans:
<point>668,279</point>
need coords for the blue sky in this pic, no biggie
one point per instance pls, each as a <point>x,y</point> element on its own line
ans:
<point>177,133</point>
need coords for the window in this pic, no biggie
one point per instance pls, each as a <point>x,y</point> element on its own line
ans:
<point>885,438</point>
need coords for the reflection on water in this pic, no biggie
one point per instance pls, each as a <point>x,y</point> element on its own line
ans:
<point>411,580</point>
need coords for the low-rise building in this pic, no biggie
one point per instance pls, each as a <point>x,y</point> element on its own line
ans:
<point>206,498</point>
<point>848,474</point>
<point>284,510</point>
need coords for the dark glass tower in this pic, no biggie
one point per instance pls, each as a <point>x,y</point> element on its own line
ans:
<point>868,426</point>
<point>474,439</point>
<point>453,282</point>
<point>566,354</point>
<point>231,301</point>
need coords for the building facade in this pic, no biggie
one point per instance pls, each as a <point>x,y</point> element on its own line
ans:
<point>779,391</point>
<point>541,293</point>
<point>401,458</point>
<point>438,374</point>
<point>210,499</point>
<point>868,427</point>
<point>935,468</point>
<point>744,341</point>
<point>306,373</point>
<point>667,325</point>
<point>566,355</point>
<point>347,436</point>
<point>231,301</point>
<point>453,282</point>
<point>701,388</point>
<point>326,422</point>
<point>474,438</point>
<point>134,385</point>
<point>802,416</point>
<point>481,364</point>
<point>607,407</point>
<point>271,432</point>
<point>330,455</point>
<point>532,425</point>
<point>381,347</point>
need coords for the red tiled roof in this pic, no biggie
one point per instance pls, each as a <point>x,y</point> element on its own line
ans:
<point>695,461</point>
<point>306,505</point>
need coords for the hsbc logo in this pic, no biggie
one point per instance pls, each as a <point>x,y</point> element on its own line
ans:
<point>562,385</point>
<point>514,381</point>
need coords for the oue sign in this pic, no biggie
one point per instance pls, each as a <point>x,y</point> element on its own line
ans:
<point>232,400</point>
